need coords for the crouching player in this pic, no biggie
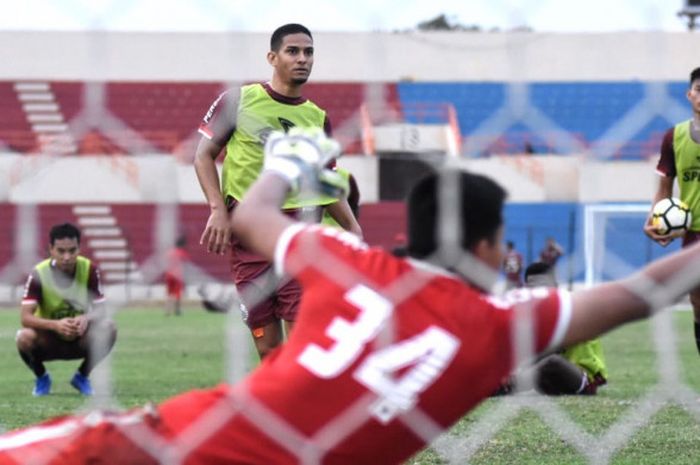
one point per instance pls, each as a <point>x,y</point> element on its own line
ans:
<point>579,369</point>
<point>60,313</point>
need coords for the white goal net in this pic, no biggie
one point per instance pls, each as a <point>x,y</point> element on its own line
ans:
<point>75,114</point>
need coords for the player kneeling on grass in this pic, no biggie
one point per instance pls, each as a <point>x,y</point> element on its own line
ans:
<point>387,352</point>
<point>59,314</point>
<point>579,369</point>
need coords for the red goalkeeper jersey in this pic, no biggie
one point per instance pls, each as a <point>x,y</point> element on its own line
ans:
<point>386,354</point>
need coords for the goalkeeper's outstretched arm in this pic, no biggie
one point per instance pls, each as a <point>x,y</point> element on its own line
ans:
<point>258,221</point>
<point>602,308</point>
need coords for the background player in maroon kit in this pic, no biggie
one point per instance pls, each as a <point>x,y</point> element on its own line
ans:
<point>513,267</point>
<point>551,252</point>
<point>240,120</point>
<point>175,276</point>
<point>387,352</point>
<point>680,149</point>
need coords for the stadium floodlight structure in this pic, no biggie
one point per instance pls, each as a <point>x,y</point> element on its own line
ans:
<point>691,10</point>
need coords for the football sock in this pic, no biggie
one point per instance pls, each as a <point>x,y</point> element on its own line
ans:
<point>697,336</point>
<point>83,368</point>
<point>37,367</point>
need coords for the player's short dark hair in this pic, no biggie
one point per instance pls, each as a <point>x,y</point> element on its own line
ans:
<point>694,75</point>
<point>537,268</point>
<point>64,231</point>
<point>481,212</point>
<point>510,244</point>
<point>283,31</point>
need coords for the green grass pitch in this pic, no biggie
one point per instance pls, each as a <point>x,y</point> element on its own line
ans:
<point>157,356</point>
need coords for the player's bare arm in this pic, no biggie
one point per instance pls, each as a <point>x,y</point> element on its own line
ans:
<point>597,310</point>
<point>664,190</point>
<point>217,231</point>
<point>82,322</point>
<point>65,327</point>
<point>342,213</point>
<point>258,221</point>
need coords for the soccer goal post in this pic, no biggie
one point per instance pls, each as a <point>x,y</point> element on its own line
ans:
<point>595,219</point>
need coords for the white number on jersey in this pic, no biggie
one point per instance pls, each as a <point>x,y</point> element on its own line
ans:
<point>345,237</point>
<point>350,337</point>
<point>517,296</point>
<point>427,353</point>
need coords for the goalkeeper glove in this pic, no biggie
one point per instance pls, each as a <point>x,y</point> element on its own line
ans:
<point>300,157</point>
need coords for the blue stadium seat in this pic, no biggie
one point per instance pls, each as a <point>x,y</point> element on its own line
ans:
<point>587,110</point>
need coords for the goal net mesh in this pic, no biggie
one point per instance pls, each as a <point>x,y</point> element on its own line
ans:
<point>601,262</point>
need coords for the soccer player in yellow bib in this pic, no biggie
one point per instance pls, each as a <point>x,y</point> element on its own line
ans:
<point>59,313</point>
<point>240,121</point>
<point>353,197</point>
<point>680,152</point>
<point>577,369</point>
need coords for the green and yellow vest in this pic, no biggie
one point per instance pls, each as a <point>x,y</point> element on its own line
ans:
<point>58,302</point>
<point>257,115</point>
<point>687,157</point>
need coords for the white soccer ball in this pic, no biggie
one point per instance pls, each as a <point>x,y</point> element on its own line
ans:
<point>671,216</point>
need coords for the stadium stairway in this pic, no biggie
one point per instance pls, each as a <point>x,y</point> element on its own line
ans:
<point>45,117</point>
<point>107,243</point>
<point>69,117</point>
<point>16,134</point>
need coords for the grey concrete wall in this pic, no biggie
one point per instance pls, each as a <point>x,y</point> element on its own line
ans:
<point>435,56</point>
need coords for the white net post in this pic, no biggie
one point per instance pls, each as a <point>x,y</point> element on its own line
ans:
<point>594,234</point>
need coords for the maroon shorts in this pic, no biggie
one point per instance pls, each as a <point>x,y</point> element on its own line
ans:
<point>264,302</point>
<point>690,237</point>
<point>264,299</point>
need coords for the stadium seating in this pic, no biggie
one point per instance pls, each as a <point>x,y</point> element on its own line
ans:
<point>12,269</point>
<point>15,132</point>
<point>162,117</point>
<point>138,223</point>
<point>159,117</point>
<point>342,101</point>
<point>7,245</point>
<point>589,111</point>
<point>381,222</point>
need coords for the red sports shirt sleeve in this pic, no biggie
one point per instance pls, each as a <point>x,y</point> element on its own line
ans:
<point>550,310</point>
<point>32,289</point>
<point>304,250</point>
<point>667,160</point>
<point>97,295</point>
